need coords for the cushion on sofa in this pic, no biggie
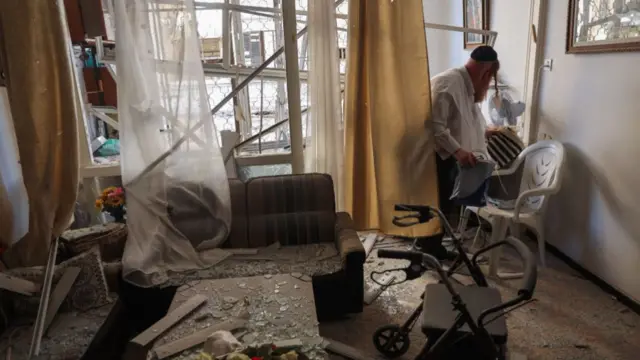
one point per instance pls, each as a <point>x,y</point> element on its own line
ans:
<point>302,228</point>
<point>290,193</point>
<point>291,209</point>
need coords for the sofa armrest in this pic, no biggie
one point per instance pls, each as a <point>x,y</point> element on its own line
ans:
<point>347,241</point>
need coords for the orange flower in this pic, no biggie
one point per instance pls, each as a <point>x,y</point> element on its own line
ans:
<point>99,204</point>
<point>108,190</point>
<point>115,201</point>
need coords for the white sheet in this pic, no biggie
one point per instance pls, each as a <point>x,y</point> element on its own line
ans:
<point>170,178</point>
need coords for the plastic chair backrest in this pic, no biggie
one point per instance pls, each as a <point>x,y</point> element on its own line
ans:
<point>543,163</point>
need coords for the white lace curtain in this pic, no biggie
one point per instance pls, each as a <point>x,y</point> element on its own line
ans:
<point>324,151</point>
<point>175,180</point>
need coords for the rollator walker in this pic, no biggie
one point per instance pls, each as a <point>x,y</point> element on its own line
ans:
<point>461,322</point>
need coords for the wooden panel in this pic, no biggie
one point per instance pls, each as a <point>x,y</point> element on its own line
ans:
<point>18,285</point>
<point>93,18</point>
<point>137,348</point>
<point>171,319</point>
<point>376,289</point>
<point>74,19</point>
<point>60,294</point>
<point>109,89</point>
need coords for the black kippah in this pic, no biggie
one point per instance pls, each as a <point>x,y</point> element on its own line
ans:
<point>484,53</point>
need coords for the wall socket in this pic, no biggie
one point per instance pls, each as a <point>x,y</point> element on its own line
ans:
<point>548,64</point>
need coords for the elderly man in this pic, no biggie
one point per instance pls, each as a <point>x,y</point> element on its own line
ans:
<point>458,125</point>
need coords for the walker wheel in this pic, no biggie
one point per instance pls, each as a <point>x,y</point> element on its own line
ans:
<point>391,341</point>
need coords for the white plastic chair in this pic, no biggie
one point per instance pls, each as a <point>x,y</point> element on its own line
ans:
<point>541,177</point>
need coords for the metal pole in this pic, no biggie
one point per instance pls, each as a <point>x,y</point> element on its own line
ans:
<point>226,36</point>
<point>262,55</point>
<point>293,84</point>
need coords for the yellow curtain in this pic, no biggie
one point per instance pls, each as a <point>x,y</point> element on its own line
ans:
<point>387,102</point>
<point>44,105</point>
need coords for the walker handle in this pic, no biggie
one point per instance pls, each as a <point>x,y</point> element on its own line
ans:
<point>413,256</point>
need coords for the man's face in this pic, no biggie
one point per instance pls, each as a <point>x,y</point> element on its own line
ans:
<point>481,87</point>
<point>485,74</point>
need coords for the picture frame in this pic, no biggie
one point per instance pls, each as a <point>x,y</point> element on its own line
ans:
<point>602,29</point>
<point>475,15</point>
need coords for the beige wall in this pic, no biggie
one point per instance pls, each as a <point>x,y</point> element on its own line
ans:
<point>591,103</point>
<point>510,18</point>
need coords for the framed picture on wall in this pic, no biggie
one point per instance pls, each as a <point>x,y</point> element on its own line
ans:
<point>475,15</point>
<point>597,26</point>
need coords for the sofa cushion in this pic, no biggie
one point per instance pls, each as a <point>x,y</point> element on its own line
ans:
<point>300,228</point>
<point>291,209</point>
<point>290,193</point>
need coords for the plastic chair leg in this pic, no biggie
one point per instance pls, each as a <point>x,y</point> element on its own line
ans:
<point>541,247</point>
<point>498,233</point>
<point>514,229</point>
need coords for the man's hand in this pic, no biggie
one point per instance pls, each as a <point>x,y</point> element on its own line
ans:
<point>465,158</point>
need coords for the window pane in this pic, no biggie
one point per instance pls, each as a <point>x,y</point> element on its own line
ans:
<point>248,172</point>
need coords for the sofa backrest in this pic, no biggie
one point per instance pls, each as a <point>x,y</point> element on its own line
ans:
<point>291,209</point>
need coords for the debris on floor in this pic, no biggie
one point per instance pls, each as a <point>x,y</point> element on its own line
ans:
<point>272,309</point>
<point>373,291</point>
<point>309,260</point>
<point>569,310</point>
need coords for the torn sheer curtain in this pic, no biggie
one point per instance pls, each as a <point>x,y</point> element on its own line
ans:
<point>324,150</point>
<point>175,181</point>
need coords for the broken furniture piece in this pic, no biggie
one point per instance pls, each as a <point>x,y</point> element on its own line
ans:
<point>139,346</point>
<point>59,294</point>
<point>77,287</point>
<point>110,237</point>
<point>272,308</point>
<point>369,242</point>
<point>374,290</point>
<point>18,285</point>
<point>69,336</point>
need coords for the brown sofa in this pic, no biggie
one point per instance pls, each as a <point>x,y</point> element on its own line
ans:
<point>299,210</point>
